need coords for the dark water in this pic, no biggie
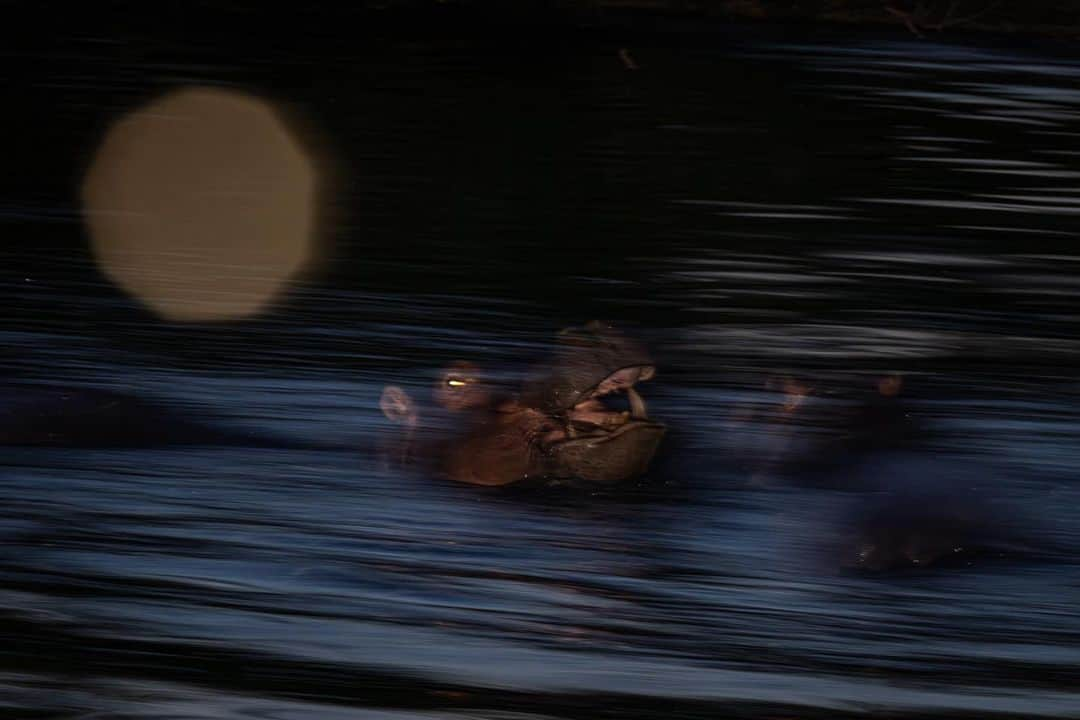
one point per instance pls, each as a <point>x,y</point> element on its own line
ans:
<point>837,207</point>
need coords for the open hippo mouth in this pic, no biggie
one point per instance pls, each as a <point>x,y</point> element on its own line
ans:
<point>601,442</point>
<point>603,432</point>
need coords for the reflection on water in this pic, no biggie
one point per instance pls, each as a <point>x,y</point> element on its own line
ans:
<point>813,540</point>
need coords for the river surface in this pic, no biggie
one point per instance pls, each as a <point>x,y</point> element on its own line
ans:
<point>837,207</point>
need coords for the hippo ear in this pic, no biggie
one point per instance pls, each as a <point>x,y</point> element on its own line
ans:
<point>890,385</point>
<point>397,406</point>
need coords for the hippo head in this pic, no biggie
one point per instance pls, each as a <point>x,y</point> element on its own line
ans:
<point>594,369</point>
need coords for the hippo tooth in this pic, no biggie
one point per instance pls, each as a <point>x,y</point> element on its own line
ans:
<point>637,404</point>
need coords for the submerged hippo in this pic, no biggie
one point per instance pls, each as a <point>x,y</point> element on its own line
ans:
<point>815,434</point>
<point>564,424</point>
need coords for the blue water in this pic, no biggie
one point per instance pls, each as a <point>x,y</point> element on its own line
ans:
<point>834,207</point>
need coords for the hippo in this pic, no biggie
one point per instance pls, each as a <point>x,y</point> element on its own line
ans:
<point>813,434</point>
<point>932,511</point>
<point>563,424</point>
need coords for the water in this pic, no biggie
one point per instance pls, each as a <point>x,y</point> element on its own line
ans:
<point>834,206</point>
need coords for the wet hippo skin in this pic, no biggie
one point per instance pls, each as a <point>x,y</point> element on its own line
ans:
<point>594,367</point>
<point>564,424</point>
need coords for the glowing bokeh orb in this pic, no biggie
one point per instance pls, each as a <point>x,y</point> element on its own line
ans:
<point>201,204</point>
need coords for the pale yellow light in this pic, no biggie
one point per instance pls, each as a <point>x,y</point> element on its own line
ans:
<point>201,204</point>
